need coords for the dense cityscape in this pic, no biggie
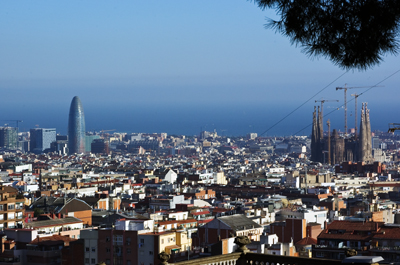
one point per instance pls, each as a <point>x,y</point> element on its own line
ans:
<point>146,198</point>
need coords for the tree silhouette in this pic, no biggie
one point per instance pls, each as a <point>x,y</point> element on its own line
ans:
<point>353,34</point>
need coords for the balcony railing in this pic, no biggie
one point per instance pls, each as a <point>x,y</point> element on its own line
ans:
<point>392,248</point>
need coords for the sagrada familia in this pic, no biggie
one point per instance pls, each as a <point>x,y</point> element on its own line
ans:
<point>334,149</point>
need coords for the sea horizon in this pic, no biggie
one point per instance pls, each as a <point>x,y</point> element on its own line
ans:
<point>226,120</point>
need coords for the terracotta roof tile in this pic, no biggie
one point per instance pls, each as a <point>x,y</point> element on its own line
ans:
<point>307,241</point>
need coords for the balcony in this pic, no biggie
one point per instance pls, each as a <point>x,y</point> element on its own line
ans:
<point>386,249</point>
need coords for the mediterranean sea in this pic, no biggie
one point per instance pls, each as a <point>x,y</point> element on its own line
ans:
<point>191,118</point>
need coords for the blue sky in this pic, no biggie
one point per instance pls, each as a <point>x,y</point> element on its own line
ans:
<point>115,54</point>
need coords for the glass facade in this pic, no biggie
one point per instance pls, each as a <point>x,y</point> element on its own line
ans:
<point>76,127</point>
<point>8,138</point>
<point>41,139</point>
<point>89,140</point>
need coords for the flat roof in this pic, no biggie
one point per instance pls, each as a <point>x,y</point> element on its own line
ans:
<point>54,222</point>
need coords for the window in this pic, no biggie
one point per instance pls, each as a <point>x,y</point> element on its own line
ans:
<point>10,216</point>
<point>142,240</point>
<point>93,261</point>
<point>1,207</point>
<point>128,262</point>
<point>108,250</point>
<point>87,261</point>
<point>128,250</point>
<point>93,249</point>
<point>118,239</point>
<point>11,207</point>
<point>107,239</point>
<point>108,261</point>
<point>150,252</point>
<point>162,241</point>
<point>128,241</point>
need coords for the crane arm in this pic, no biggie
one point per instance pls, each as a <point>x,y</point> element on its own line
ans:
<point>394,127</point>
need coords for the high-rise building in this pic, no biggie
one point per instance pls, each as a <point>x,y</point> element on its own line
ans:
<point>41,139</point>
<point>88,141</point>
<point>375,142</point>
<point>8,137</point>
<point>76,127</point>
<point>100,146</point>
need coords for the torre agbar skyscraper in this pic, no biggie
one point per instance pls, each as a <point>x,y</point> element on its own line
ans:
<point>76,127</point>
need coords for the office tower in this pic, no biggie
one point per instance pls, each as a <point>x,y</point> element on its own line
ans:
<point>251,136</point>
<point>41,139</point>
<point>76,127</point>
<point>60,137</point>
<point>375,142</point>
<point>8,138</point>
<point>100,146</point>
<point>88,141</point>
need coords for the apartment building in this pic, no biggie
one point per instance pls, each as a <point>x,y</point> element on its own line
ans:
<point>11,208</point>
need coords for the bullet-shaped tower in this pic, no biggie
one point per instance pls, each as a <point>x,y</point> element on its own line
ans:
<point>76,127</point>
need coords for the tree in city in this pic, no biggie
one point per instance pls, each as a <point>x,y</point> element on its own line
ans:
<point>353,34</point>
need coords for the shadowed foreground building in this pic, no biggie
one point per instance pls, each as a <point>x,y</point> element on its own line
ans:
<point>76,127</point>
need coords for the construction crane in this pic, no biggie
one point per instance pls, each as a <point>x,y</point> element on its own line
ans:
<point>102,131</point>
<point>104,135</point>
<point>345,101</point>
<point>322,108</point>
<point>16,121</point>
<point>355,114</point>
<point>393,127</point>
<point>329,141</point>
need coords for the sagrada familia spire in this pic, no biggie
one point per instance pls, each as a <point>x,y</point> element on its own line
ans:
<point>342,148</point>
<point>317,135</point>
<point>314,137</point>
<point>365,139</point>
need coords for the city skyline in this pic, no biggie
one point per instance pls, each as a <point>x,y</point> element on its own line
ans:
<point>225,127</point>
<point>152,62</point>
